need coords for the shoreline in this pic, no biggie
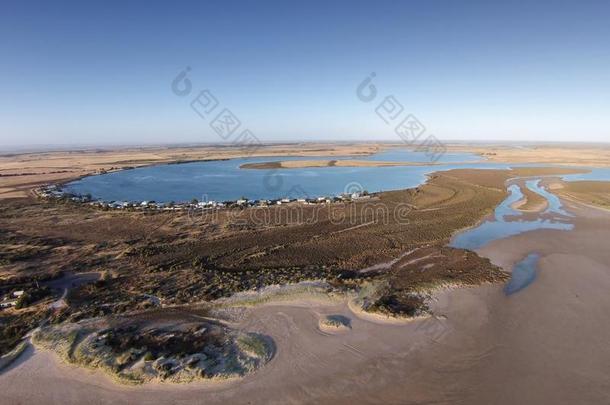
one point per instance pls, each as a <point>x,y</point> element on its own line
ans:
<point>35,191</point>
<point>304,164</point>
<point>66,165</point>
<point>115,159</point>
<point>481,321</point>
<point>302,302</point>
<point>39,191</point>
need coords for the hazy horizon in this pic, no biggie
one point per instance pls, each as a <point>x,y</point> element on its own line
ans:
<point>393,142</point>
<point>81,74</point>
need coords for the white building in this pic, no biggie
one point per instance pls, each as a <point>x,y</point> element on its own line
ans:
<point>8,303</point>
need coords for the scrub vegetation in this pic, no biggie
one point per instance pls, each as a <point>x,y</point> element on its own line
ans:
<point>150,261</point>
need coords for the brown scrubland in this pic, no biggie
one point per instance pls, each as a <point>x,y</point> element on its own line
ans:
<point>596,193</point>
<point>180,259</point>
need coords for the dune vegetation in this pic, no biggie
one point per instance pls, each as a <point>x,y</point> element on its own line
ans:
<point>138,349</point>
<point>153,260</point>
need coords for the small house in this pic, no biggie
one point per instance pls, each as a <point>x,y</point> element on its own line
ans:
<point>8,303</point>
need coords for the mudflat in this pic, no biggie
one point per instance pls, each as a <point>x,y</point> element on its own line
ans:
<point>546,343</point>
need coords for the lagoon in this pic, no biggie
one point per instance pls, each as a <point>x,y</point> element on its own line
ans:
<point>223,180</point>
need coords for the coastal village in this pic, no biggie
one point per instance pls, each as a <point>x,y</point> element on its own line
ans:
<point>55,192</point>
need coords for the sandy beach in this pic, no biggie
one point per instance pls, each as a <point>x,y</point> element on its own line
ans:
<point>546,343</point>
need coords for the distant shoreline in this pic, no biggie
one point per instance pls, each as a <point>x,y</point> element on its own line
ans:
<point>303,164</point>
<point>22,172</point>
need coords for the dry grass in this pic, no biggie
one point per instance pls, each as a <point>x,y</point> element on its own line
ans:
<point>573,154</point>
<point>595,193</point>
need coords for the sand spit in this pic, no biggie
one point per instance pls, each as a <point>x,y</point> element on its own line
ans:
<point>531,201</point>
<point>301,164</point>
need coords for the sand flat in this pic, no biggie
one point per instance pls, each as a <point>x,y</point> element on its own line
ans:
<point>545,344</point>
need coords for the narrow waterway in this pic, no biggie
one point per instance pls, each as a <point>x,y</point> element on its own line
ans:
<point>508,221</point>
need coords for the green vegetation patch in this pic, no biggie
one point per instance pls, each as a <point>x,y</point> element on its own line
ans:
<point>134,351</point>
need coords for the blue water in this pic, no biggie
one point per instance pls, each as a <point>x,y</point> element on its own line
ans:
<point>524,273</point>
<point>595,174</point>
<point>510,222</point>
<point>554,202</point>
<point>224,180</point>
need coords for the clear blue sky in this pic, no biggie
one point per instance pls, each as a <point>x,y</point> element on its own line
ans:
<point>81,73</point>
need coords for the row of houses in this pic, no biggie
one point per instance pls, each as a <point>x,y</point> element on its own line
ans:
<point>55,192</point>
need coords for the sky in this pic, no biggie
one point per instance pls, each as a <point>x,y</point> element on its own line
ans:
<point>105,73</point>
